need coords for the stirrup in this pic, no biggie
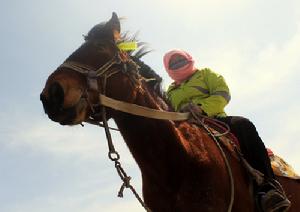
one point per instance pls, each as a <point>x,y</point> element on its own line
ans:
<point>272,198</point>
<point>273,201</point>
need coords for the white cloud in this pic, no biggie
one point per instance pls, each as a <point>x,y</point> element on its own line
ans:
<point>251,70</point>
<point>43,135</point>
<point>277,64</point>
<point>88,184</point>
<point>88,200</point>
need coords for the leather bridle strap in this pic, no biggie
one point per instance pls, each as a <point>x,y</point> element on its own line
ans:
<point>115,157</point>
<point>86,70</point>
<point>199,122</point>
<point>92,74</point>
<point>140,110</point>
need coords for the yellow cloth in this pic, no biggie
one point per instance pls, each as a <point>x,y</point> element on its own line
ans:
<point>128,46</point>
<point>204,88</point>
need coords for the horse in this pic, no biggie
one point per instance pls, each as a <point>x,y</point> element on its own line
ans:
<point>182,167</point>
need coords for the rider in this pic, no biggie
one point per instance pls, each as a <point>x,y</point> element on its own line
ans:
<point>207,92</point>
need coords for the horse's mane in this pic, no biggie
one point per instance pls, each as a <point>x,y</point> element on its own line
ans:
<point>153,80</point>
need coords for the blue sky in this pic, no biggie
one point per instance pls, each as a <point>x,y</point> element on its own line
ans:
<point>45,167</point>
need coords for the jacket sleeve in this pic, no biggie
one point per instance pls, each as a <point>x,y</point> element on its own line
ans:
<point>219,94</point>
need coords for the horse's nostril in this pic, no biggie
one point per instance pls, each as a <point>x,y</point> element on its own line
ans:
<point>56,95</point>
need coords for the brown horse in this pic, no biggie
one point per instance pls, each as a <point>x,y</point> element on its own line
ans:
<point>182,167</point>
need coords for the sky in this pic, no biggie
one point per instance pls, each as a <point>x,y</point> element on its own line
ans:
<point>46,167</point>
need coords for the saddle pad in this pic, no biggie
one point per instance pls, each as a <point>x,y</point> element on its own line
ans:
<point>281,168</point>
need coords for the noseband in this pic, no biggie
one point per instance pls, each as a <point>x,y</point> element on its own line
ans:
<point>93,74</point>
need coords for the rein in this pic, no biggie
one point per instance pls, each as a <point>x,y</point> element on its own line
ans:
<point>140,110</point>
<point>215,138</point>
<point>114,156</point>
<point>92,79</point>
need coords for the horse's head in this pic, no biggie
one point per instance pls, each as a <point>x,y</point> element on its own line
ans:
<point>71,92</point>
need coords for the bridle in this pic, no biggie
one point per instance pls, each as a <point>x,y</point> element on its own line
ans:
<point>104,72</point>
<point>92,75</point>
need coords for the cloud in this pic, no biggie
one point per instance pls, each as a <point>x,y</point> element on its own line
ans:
<point>39,135</point>
<point>42,135</point>
<point>85,200</point>
<point>253,68</point>
<point>72,173</point>
<point>277,64</point>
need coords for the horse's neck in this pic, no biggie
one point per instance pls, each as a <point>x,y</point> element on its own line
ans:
<point>154,144</point>
<point>173,159</point>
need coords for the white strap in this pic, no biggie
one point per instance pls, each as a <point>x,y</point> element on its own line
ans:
<point>140,110</point>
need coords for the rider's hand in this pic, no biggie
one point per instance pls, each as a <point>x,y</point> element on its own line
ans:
<point>191,107</point>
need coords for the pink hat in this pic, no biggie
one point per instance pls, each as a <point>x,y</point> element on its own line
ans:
<point>179,70</point>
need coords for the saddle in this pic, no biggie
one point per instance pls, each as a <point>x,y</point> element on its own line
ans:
<point>221,130</point>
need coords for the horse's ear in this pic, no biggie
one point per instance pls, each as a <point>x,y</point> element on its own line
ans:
<point>114,25</point>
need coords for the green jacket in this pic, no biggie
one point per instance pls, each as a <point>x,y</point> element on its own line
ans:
<point>205,88</point>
